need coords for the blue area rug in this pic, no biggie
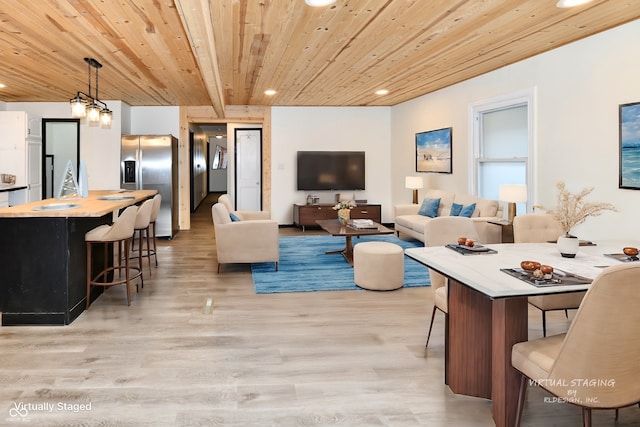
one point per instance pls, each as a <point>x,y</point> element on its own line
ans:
<point>304,266</point>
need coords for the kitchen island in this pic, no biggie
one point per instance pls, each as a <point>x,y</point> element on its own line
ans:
<point>43,255</point>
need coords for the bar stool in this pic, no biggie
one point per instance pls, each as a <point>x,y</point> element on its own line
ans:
<point>141,228</point>
<point>121,231</point>
<point>157,201</point>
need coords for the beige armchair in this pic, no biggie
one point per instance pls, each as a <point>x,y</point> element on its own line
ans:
<point>244,215</point>
<point>441,231</point>
<point>532,228</point>
<point>244,241</point>
<point>595,364</point>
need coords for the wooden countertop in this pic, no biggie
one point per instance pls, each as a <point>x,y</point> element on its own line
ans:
<point>91,206</point>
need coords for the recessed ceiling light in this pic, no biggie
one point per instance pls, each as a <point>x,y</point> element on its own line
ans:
<point>218,136</point>
<point>382,92</point>
<point>571,3</point>
<point>319,3</point>
<point>270,92</point>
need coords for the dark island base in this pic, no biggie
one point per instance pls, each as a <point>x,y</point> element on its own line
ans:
<point>43,261</point>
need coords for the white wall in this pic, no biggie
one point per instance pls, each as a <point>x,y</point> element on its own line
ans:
<point>579,88</point>
<point>155,121</point>
<point>325,129</point>
<point>99,147</point>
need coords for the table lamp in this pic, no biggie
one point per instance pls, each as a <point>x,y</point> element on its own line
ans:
<point>513,194</point>
<point>414,183</point>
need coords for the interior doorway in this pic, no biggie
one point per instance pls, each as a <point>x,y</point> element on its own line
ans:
<point>60,143</point>
<point>248,169</point>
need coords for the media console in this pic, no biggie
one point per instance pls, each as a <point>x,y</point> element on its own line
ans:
<point>307,215</point>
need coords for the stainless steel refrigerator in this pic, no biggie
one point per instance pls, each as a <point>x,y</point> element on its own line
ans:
<point>150,162</point>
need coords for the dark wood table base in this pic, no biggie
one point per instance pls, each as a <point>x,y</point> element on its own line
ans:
<point>347,251</point>
<point>480,334</point>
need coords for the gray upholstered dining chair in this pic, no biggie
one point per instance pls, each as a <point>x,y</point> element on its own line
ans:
<point>595,364</point>
<point>440,231</point>
<point>539,228</point>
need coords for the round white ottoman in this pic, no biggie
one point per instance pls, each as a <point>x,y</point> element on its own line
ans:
<point>378,266</point>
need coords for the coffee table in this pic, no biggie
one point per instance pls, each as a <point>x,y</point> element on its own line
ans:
<point>333,227</point>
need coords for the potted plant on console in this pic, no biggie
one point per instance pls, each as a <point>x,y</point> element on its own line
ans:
<point>573,210</point>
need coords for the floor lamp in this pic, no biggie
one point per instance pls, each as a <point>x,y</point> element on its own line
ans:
<point>414,183</point>
<point>513,194</point>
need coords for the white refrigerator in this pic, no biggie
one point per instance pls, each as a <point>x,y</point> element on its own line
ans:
<point>150,162</point>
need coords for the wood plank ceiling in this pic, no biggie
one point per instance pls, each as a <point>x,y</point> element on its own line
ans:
<point>228,52</point>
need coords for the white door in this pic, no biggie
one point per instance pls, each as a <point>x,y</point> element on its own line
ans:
<point>248,168</point>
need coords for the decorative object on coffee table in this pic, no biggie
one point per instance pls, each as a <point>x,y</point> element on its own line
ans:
<point>344,211</point>
<point>573,210</point>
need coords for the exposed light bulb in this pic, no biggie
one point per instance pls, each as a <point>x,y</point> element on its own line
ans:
<point>106,117</point>
<point>78,109</point>
<point>319,3</point>
<point>571,3</point>
<point>93,113</point>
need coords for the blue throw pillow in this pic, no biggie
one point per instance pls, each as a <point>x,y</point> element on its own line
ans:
<point>234,217</point>
<point>467,210</point>
<point>455,209</point>
<point>429,207</point>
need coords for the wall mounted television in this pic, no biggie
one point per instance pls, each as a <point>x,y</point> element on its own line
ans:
<point>331,170</point>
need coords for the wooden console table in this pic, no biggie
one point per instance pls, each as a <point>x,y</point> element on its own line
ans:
<point>307,215</point>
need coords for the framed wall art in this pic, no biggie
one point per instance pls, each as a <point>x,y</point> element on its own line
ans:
<point>433,151</point>
<point>630,146</point>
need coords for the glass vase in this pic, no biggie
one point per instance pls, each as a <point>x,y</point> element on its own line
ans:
<point>344,216</point>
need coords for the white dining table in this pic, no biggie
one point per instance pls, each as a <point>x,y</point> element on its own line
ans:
<point>487,310</point>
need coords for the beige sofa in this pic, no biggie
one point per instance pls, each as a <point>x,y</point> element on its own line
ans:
<point>408,221</point>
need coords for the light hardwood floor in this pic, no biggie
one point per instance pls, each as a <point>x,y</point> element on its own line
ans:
<point>350,358</point>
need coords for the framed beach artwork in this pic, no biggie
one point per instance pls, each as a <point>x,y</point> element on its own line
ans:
<point>630,146</point>
<point>433,151</point>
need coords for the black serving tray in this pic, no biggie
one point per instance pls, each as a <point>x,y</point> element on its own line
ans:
<point>475,250</point>
<point>623,257</point>
<point>558,278</point>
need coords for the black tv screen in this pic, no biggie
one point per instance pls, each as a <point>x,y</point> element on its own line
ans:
<point>331,170</point>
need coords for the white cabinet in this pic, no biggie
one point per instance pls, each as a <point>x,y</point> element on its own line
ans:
<point>21,150</point>
<point>4,199</point>
<point>12,133</point>
<point>34,126</point>
<point>34,170</point>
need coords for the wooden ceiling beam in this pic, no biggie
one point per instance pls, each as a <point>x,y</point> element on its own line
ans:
<point>198,23</point>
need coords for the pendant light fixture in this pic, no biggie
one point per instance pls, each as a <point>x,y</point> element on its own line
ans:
<point>86,105</point>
